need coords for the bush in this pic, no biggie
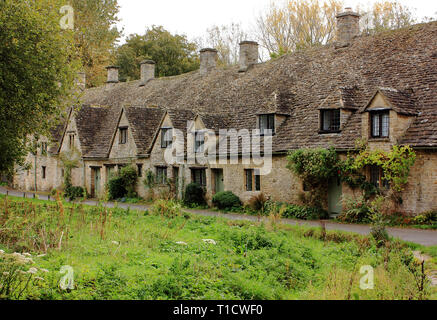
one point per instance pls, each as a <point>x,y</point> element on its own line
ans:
<point>194,195</point>
<point>73,193</point>
<point>293,211</point>
<point>257,203</point>
<point>116,188</point>
<point>355,210</point>
<point>226,200</point>
<point>169,209</point>
<point>124,184</point>
<point>129,176</point>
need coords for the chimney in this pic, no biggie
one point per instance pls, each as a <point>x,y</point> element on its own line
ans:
<point>348,26</point>
<point>248,54</point>
<point>81,80</point>
<point>112,74</point>
<point>147,71</point>
<point>208,60</point>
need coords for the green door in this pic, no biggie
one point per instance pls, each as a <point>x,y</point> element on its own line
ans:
<point>334,196</point>
<point>97,179</point>
<point>218,176</point>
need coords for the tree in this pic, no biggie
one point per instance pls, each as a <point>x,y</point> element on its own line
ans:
<point>95,36</point>
<point>173,54</point>
<point>226,39</point>
<point>386,15</point>
<point>37,73</point>
<point>297,25</point>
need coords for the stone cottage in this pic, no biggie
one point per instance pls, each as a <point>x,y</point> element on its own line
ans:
<point>380,88</point>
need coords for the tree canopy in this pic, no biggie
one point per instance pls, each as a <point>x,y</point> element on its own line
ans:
<point>37,73</point>
<point>95,36</point>
<point>173,54</point>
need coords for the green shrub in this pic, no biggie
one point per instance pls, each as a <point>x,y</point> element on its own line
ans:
<point>293,211</point>
<point>194,195</point>
<point>116,188</point>
<point>355,210</point>
<point>258,202</point>
<point>124,184</point>
<point>226,200</point>
<point>129,176</point>
<point>73,193</point>
<point>427,218</point>
<point>169,209</point>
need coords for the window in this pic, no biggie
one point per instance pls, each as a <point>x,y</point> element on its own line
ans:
<point>199,141</point>
<point>43,147</point>
<point>161,175</point>
<point>43,172</point>
<point>199,176</point>
<point>62,173</point>
<point>123,135</point>
<point>109,171</point>
<point>166,137</point>
<point>140,169</point>
<point>377,177</point>
<point>71,141</point>
<point>253,181</point>
<point>330,120</point>
<point>266,122</point>
<point>380,124</point>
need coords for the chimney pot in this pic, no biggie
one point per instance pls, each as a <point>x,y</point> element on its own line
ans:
<point>147,71</point>
<point>248,54</point>
<point>112,74</point>
<point>208,60</point>
<point>348,26</point>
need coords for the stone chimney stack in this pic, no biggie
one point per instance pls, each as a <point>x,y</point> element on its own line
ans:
<point>147,71</point>
<point>208,60</point>
<point>348,26</point>
<point>248,54</point>
<point>81,80</point>
<point>112,74</point>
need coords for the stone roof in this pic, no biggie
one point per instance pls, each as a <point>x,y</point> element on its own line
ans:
<point>297,85</point>
<point>96,126</point>
<point>143,123</point>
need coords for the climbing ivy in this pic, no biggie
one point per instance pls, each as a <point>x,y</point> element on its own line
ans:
<point>396,164</point>
<point>316,166</point>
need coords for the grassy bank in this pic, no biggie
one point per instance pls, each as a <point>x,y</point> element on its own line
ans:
<point>168,254</point>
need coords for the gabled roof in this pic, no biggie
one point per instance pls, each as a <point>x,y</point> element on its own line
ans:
<point>143,123</point>
<point>403,102</point>
<point>96,126</point>
<point>302,81</point>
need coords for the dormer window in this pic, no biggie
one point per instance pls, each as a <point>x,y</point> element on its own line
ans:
<point>266,122</point>
<point>123,135</point>
<point>380,124</point>
<point>330,121</point>
<point>199,141</point>
<point>166,137</point>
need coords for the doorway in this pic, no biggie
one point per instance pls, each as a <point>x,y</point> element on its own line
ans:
<point>95,182</point>
<point>334,196</point>
<point>218,180</point>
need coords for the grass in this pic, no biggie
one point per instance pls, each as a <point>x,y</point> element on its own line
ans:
<point>126,254</point>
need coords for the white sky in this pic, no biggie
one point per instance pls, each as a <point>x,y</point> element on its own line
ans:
<point>193,17</point>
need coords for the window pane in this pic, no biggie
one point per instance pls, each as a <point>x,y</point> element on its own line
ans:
<point>249,174</point>
<point>374,175</point>
<point>199,141</point>
<point>326,120</point>
<point>375,125</point>
<point>257,180</point>
<point>385,125</point>
<point>335,121</point>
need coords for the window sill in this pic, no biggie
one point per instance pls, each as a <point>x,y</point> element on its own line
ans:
<point>329,132</point>
<point>376,139</point>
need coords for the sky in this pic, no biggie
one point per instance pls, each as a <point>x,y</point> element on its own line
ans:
<point>193,17</point>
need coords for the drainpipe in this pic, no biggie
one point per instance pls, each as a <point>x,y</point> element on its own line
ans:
<point>36,186</point>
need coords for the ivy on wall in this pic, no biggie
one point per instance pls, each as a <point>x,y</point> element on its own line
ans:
<point>316,166</point>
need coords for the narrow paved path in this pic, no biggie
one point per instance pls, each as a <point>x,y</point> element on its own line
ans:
<point>423,237</point>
